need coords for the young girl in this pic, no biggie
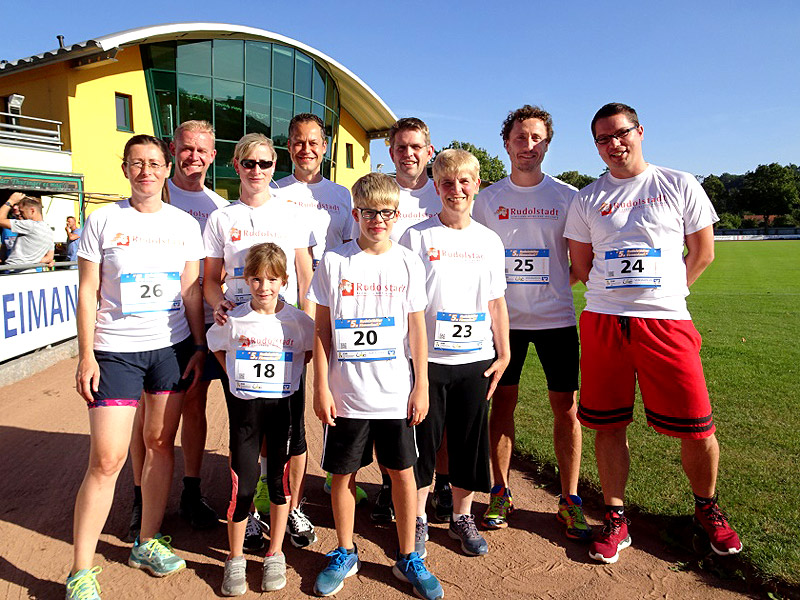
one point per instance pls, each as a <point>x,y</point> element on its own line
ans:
<point>263,346</point>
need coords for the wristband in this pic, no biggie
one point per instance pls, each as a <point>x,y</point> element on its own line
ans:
<point>200,348</point>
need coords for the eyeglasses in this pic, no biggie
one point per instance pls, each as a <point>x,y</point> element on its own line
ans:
<point>139,165</point>
<point>249,163</point>
<point>602,140</point>
<point>370,214</point>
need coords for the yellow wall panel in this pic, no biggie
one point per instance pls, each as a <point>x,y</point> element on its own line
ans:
<point>350,132</point>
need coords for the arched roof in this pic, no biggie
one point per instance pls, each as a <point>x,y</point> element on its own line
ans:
<point>356,97</point>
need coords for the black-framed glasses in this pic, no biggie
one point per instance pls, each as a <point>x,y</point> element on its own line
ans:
<point>370,213</point>
<point>602,140</point>
<point>249,163</point>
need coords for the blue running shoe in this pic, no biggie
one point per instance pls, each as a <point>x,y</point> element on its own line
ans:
<point>83,585</point>
<point>340,566</point>
<point>412,569</point>
<point>156,556</point>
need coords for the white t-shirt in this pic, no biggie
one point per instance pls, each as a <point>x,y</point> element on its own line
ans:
<point>326,206</point>
<point>415,206</point>
<point>370,297</point>
<point>34,240</point>
<point>233,229</point>
<point>141,257</point>
<point>464,270</point>
<point>200,205</point>
<point>636,227</point>
<point>530,222</point>
<point>264,354</point>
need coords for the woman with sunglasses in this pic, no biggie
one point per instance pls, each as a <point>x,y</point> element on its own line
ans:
<point>262,214</point>
<point>140,258</point>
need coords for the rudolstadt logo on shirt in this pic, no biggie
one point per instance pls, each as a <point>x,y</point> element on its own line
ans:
<point>122,240</point>
<point>236,234</point>
<point>605,209</point>
<point>433,254</point>
<point>502,213</point>
<point>346,287</point>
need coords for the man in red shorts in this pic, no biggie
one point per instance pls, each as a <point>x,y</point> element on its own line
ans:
<point>626,235</point>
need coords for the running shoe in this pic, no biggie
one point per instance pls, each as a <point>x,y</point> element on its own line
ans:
<point>570,512</point>
<point>300,530</point>
<point>613,538</point>
<point>262,521</point>
<point>274,577</point>
<point>466,532</point>
<point>253,538</point>
<point>721,536</point>
<point>261,499</point>
<point>340,566</point>
<point>234,580</point>
<point>135,524</point>
<point>383,509</point>
<point>420,537</point>
<point>361,495</point>
<point>501,505</point>
<point>195,509</point>
<point>83,585</point>
<point>442,502</point>
<point>412,569</point>
<point>156,556</point>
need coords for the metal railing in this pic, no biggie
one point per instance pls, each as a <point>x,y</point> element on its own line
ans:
<point>36,267</point>
<point>40,133</point>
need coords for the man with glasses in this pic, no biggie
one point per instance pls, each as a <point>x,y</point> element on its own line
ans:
<point>193,148</point>
<point>626,233</point>
<point>528,210</point>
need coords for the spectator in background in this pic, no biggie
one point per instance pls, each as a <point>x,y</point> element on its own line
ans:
<point>73,237</point>
<point>35,238</point>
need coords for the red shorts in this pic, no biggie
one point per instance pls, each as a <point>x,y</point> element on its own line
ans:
<point>663,354</point>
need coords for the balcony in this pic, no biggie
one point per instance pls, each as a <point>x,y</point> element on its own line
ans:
<point>30,132</point>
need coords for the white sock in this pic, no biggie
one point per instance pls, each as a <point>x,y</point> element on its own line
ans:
<point>424,517</point>
<point>263,461</point>
<point>457,516</point>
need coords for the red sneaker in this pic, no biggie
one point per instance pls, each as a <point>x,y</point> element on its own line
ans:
<point>613,538</point>
<point>721,535</point>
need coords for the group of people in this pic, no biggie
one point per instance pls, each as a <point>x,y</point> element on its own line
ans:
<point>416,302</point>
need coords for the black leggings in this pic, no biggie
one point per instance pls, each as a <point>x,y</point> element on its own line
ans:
<point>251,421</point>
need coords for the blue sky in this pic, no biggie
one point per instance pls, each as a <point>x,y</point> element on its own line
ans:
<point>715,83</point>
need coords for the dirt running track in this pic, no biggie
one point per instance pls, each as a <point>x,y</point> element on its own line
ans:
<point>43,451</point>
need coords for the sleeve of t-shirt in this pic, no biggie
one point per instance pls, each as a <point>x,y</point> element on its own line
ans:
<point>417,296</point>
<point>23,226</point>
<point>577,227</point>
<point>410,239</point>
<point>90,245</point>
<point>479,209</point>
<point>195,249</point>
<point>306,324</point>
<point>213,239</point>
<point>497,273</point>
<point>698,212</point>
<point>218,337</point>
<point>320,288</point>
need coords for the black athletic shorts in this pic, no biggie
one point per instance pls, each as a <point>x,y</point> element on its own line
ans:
<point>347,446</point>
<point>557,350</point>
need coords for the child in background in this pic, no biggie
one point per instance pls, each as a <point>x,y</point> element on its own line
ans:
<point>263,347</point>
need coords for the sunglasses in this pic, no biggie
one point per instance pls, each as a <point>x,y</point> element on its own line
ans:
<point>249,163</point>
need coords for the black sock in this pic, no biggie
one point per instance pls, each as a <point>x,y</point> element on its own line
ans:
<point>387,480</point>
<point>191,484</point>
<point>620,510</point>
<point>137,495</point>
<point>700,501</point>
<point>442,481</point>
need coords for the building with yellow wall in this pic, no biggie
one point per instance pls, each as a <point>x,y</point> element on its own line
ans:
<point>148,80</point>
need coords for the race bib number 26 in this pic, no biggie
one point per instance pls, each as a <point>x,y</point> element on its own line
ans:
<point>150,292</point>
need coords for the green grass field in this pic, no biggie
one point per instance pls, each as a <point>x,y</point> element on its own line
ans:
<point>747,308</point>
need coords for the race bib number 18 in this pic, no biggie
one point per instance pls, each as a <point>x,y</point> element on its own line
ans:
<point>528,266</point>
<point>150,292</point>
<point>366,339</point>
<point>633,267</point>
<point>263,371</point>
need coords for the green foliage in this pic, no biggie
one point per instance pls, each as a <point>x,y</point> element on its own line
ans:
<point>745,306</point>
<point>579,180</point>
<point>729,221</point>
<point>771,190</point>
<point>716,192</point>
<point>749,223</point>
<point>492,168</point>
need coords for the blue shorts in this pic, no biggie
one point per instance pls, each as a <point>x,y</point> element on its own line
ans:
<point>125,375</point>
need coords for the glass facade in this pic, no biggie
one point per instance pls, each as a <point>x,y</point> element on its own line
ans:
<point>239,87</point>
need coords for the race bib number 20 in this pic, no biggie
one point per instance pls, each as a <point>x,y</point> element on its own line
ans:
<point>366,339</point>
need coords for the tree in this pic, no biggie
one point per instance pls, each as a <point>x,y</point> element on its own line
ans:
<point>770,190</point>
<point>717,193</point>
<point>579,180</point>
<point>492,168</point>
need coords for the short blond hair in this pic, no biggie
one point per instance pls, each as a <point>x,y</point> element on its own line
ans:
<point>196,125</point>
<point>250,142</point>
<point>453,161</point>
<point>266,258</point>
<point>376,191</point>
<point>410,124</point>
<point>31,201</point>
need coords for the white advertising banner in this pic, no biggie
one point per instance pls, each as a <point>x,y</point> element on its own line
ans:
<point>37,309</point>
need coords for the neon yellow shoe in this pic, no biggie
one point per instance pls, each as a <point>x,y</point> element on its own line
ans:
<point>361,495</point>
<point>261,499</point>
<point>83,585</point>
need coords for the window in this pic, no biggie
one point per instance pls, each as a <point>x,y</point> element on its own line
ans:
<point>348,149</point>
<point>123,106</point>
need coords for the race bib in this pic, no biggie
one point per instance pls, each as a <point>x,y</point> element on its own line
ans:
<point>367,339</point>
<point>633,267</point>
<point>241,291</point>
<point>150,292</point>
<point>459,332</point>
<point>263,371</point>
<point>528,266</point>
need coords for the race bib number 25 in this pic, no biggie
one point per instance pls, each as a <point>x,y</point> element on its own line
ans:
<point>528,266</point>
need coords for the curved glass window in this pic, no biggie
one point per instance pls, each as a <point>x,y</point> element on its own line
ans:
<point>239,87</point>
